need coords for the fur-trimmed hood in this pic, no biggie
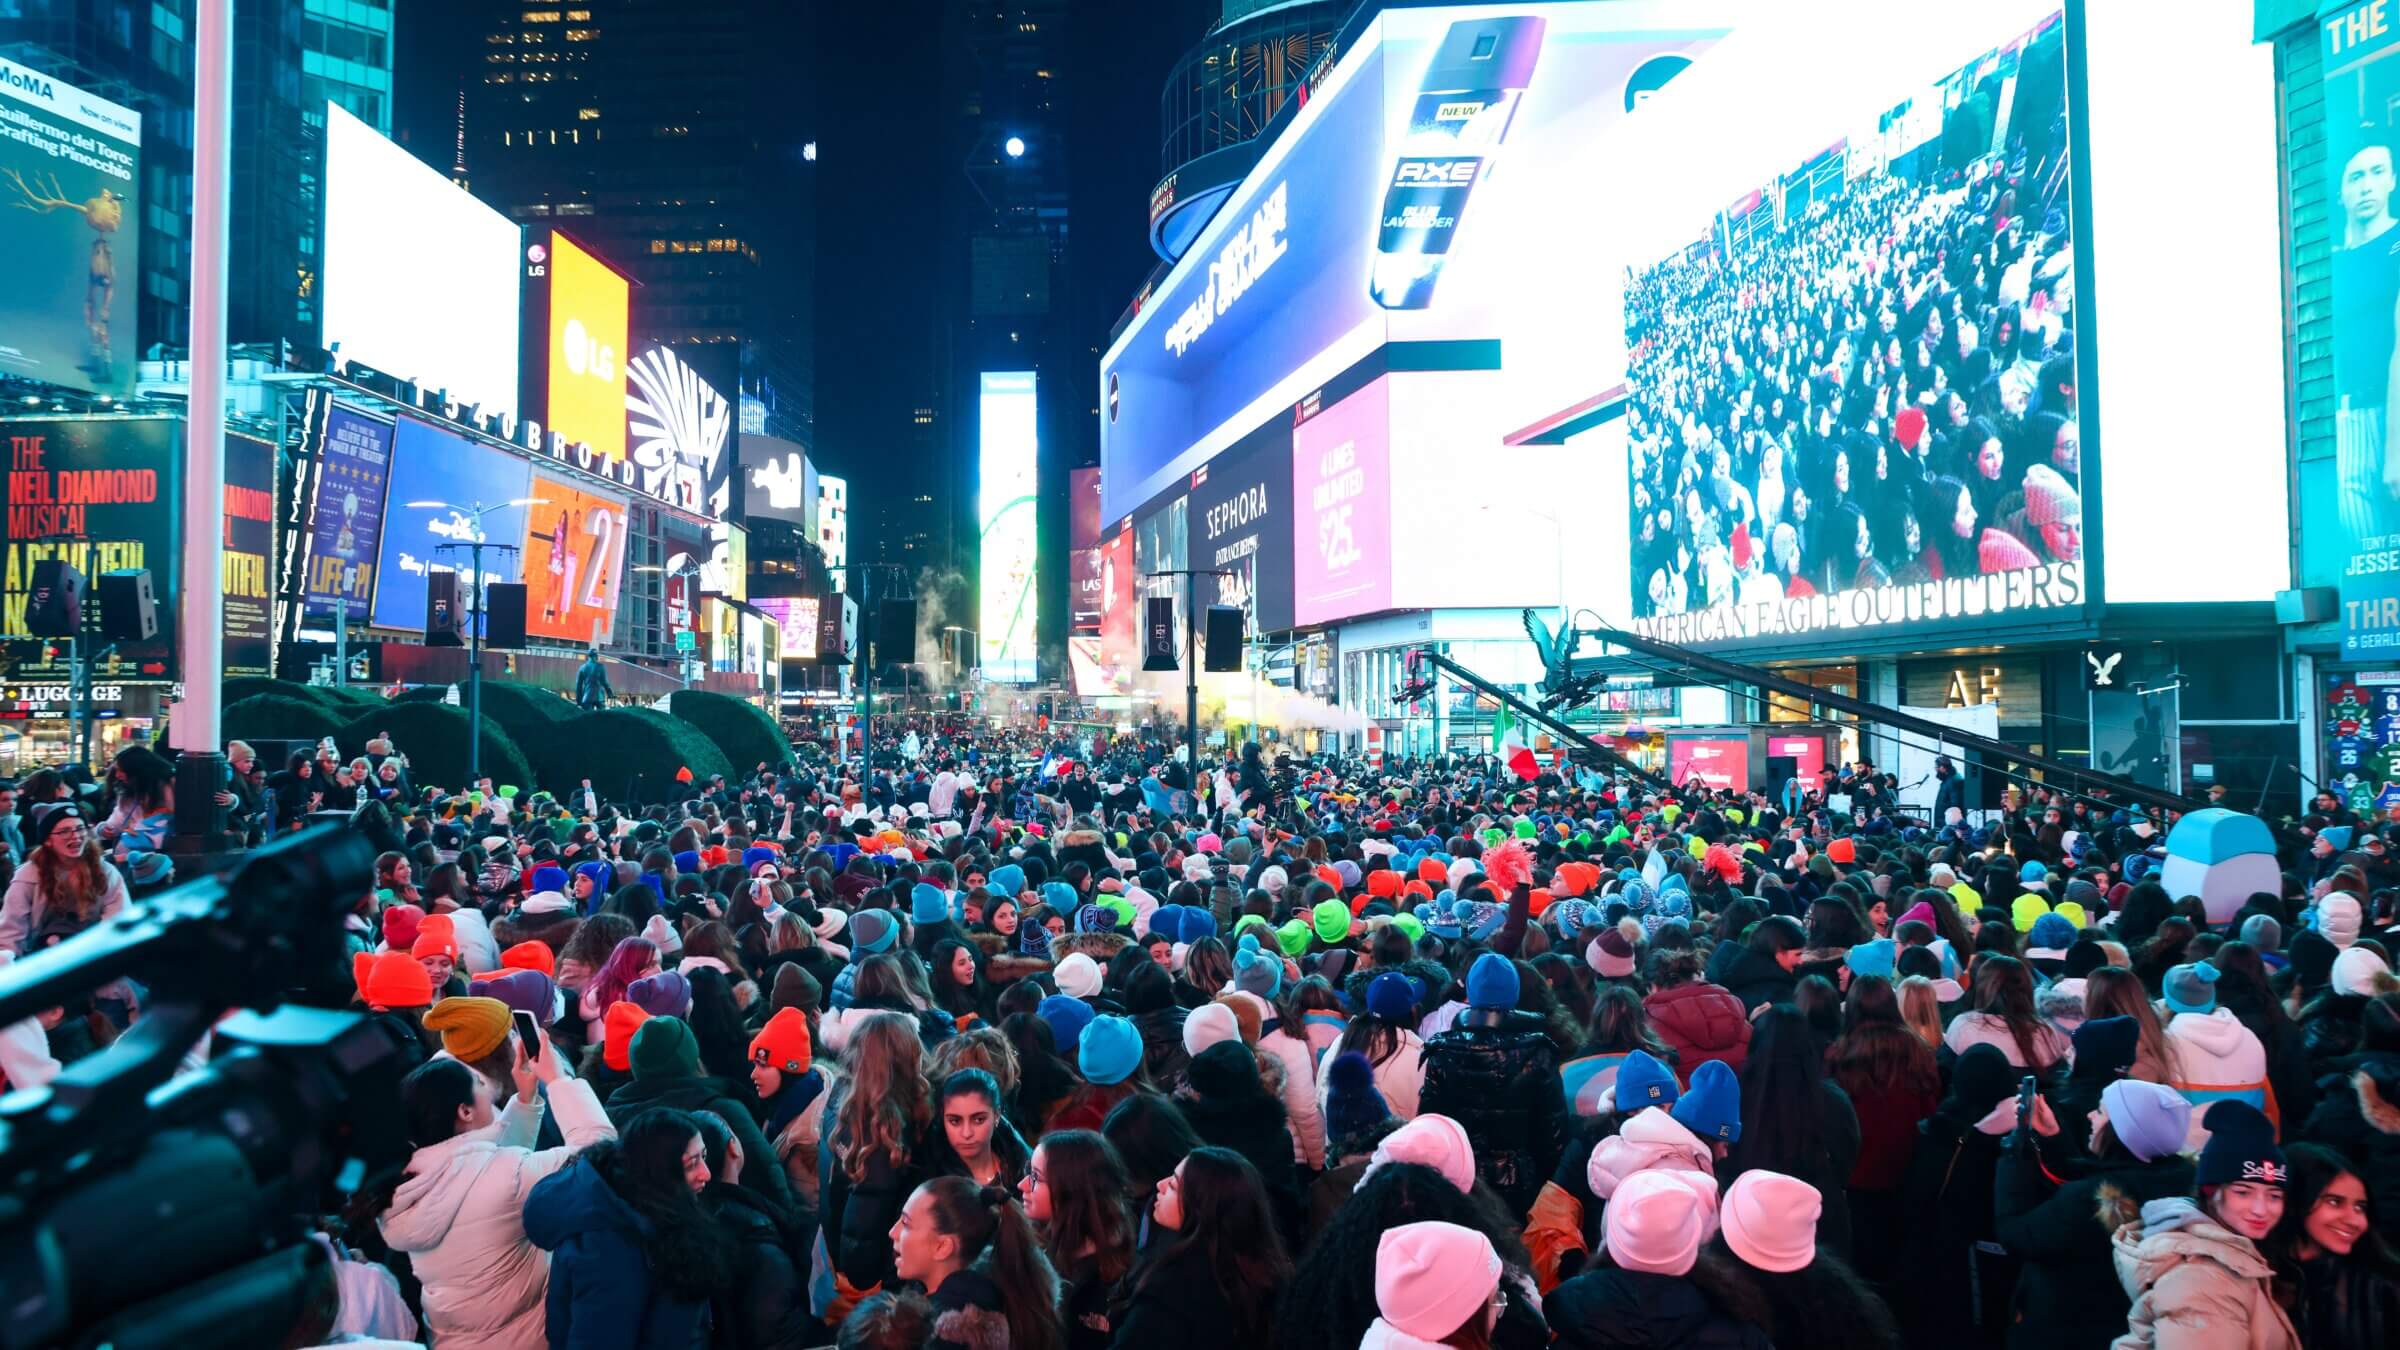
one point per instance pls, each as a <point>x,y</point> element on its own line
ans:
<point>2376,1105</point>
<point>968,1304</point>
<point>1082,839</point>
<point>1003,969</point>
<point>1101,947</point>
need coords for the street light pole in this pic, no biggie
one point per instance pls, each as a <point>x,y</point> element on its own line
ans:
<point>475,547</point>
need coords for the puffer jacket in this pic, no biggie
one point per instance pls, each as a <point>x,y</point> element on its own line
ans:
<point>1649,1138</point>
<point>1400,1080</point>
<point>2195,1285</point>
<point>2067,1295</point>
<point>2216,1057</point>
<point>1299,1093</point>
<point>1495,1072</point>
<point>1608,1308</point>
<point>2358,1112</point>
<point>1700,1022</point>
<point>460,1217</point>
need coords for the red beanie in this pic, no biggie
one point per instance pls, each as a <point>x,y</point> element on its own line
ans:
<point>1842,851</point>
<point>2002,552</point>
<point>400,926</point>
<point>1909,427</point>
<point>1383,883</point>
<point>1326,874</point>
<point>1541,902</point>
<point>432,941</point>
<point>1433,870</point>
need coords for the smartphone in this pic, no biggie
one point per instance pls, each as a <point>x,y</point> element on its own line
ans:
<point>2025,1091</point>
<point>529,1035</point>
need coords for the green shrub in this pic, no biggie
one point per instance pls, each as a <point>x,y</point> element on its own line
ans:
<point>434,738</point>
<point>278,716</point>
<point>615,747</point>
<point>738,727</point>
<point>513,705</point>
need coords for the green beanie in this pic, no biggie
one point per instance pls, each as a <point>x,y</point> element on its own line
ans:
<point>1583,838</point>
<point>1617,833</point>
<point>1119,906</point>
<point>1525,828</point>
<point>664,1048</point>
<point>1293,937</point>
<point>1407,923</point>
<point>1248,922</point>
<point>508,790</point>
<point>1493,835</point>
<point>1697,847</point>
<point>1331,919</point>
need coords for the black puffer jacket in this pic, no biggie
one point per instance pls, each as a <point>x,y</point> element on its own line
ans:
<point>2358,1112</point>
<point>2068,1296</point>
<point>1606,1308</point>
<point>1495,1072</point>
<point>2346,1304</point>
<point>766,1304</point>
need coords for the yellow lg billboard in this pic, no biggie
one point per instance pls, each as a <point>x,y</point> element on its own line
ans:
<point>588,308</point>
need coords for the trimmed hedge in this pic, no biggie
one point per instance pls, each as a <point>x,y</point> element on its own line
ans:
<point>279,716</point>
<point>434,737</point>
<point>513,705</point>
<point>614,747</point>
<point>739,727</point>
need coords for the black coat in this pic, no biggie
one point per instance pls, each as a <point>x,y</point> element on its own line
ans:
<point>2346,1304</point>
<point>708,1094</point>
<point>2068,1296</point>
<point>1755,977</point>
<point>1949,1187</point>
<point>2358,1112</point>
<point>856,1218</point>
<point>766,1306</point>
<point>1495,1072</point>
<point>1606,1308</point>
<point>1176,1305</point>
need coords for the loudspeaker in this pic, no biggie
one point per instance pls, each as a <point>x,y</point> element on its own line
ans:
<point>1158,634</point>
<point>2314,604</point>
<point>442,618</point>
<point>896,632</point>
<point>54,607</point>
<point>1224,638</point>
<point>128,612</point>
<point>504,614</point>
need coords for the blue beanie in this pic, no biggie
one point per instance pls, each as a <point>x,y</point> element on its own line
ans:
<point>1008,879</point>
<point>756,854</point>
<point>1572,915</point>
<point>1166,921</point>
<point>2032,872</point>
<point>1067,1016</point>
<point>928,903</point>
<point>1257,972</point>
<point>1352,1105</point>
<point>1111,1051</point>
<point>2052,932</point>
<point>604,880</point>
<point>1480,919</point>
<point>2191,988</point>
<point>1197,923</point>
<point>1391,997</point>
<point>1060,896</point>
<point>687,862</point>
<point>1873,958</point>
<point>1492,982</point>
<point>872,932</point>
<point>549,879</point>
<point>1712,1106</point>
<point>1643,1081</point>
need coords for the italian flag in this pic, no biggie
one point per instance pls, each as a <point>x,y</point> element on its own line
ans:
<point>1509,745</point>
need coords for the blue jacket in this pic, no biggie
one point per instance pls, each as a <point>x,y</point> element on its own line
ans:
<point>601,1293</point>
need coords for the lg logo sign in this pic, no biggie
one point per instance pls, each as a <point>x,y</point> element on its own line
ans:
<point>587,355</point>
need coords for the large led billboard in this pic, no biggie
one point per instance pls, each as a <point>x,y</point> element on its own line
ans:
<point>245,569</point>
<point>1083,552</point>
<point>1009,439</point>
<point>574,558</point>
<point>101,495</point>
<point>421,279</point>
<point>796,615</point>
<point>588,332</point>
<point>344,530</point>
<point>679,433</point>
<point>438,480</point>
<point>778,482</point>
<point>70,229</point>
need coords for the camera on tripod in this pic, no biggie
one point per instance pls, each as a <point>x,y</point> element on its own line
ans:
<point>213,1178</point>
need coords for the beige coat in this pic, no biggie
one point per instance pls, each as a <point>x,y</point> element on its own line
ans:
<point>2195,1285</point>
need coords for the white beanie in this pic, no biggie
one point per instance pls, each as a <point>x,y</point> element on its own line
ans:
<point>662,935</point>
<point>1078,976</point>
<point>1209,1024</point>
<point>2338,918</point>
<point>2354,971</point>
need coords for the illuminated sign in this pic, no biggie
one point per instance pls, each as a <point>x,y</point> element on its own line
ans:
<point>681,431</point>
<point>574,556</point>
<point>70,228</point>
<point>1008,608</point>
<point>1245,258</point>
<point>588,328</point>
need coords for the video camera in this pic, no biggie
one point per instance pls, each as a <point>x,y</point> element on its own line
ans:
<point>139,1212</point>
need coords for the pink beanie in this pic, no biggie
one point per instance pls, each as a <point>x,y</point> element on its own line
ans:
<point>1657,1221</point>
<point>1431,1277</point>
<point>1432,1141</point>
<point>1208,1024</point>
<point>1771,1221</point>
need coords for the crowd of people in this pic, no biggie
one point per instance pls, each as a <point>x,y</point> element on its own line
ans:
<point>1880,392</point>
<point>1033,1043</point>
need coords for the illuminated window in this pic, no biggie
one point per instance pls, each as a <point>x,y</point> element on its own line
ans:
<point>541,16</point>
<point>582,34</point>
<point>658,246</point>
<point>579,15</point>
<point>587,114</point>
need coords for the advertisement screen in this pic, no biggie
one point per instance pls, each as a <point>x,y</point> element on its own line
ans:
<point>1009,444</point>
<point>588,334</point>
<point>249,554</point>
<point>574,560</point>
<point>796,615</point>
<point>687,550</point>
<point>100,495</point>
<point>1241,522</point>
<point>437,480</point>
<point>1715,762</point>
<point>679,431</point>
<point>1083,551</point>
<point>421,279</point>
<point>2362,119</point>
<point>1807,754</point>
<point>1105,665</point>
<point>70,228</point>
<point>1853,390</point>
<point>345,527</point>
<point>776,482</point>
<point>1341,523</point>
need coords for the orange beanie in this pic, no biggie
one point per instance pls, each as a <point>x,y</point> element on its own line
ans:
<point>391,980</point>
<point>782,1044</point>
<point>616,1034</point>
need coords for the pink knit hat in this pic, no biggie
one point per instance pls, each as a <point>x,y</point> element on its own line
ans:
<point>1771,1221</point>
<point>1432,1141</point>
<point>1431,1277</point>
<point>1657,1220</point>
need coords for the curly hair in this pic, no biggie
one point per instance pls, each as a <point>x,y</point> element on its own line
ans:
<point>887,1103</point>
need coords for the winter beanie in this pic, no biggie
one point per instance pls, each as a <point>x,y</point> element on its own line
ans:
<point>666,994</point>
<point>872,933</point>
<point>2338,918</point>
<point>1391,997</point>
<point>2052,932</point>
<point>1256,970</point>
<point>664,1048</point>
<point>525,991</point>
<point>1331,921</point>
<point>1657,1220</point>
<point>1492,982</point>
<point>2354,971</point>
<point>1875,958</point>
<point>1293,937</point>
<point>1078,975</point>
<point>1007,879</point>
<point>2109,1043</point>
<point>782,1044</point>
<point>1770,1221</point>
<point>1067,1017</point>
<point>617,1028</point>
<point>1352,1105</point>
<point>1643,1081</point>
<point>928,904</point>
<point>1431,1278</point>
<point>2083,957</point>
<point>400,927</point>
<point>471,1027</point>
<point>2240,1147</point>
<point>1207,1025</point>
<point>1111,1051</point>
<point>1431,1140</point>
<point>2191,988</point>
<point>2151,1120</point>
<point>2261,931</point>
<point>1711,1107</point>
<point>535,956</point>
<point>1610,956</point>
<point>392,980</point>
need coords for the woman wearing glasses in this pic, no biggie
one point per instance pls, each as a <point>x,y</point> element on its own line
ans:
<point>64,888</point>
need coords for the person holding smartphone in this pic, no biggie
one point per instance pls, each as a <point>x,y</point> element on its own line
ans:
<point>458,1209</point>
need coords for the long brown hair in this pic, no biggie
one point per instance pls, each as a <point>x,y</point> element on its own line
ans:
<point>2113,991</point>
<point>1879,1053</point>
<point>888,1102</point>
<point>986,1219</point>
<point>1921,1009</point>
<point>73,887</point>
<point>1089,1208</point>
